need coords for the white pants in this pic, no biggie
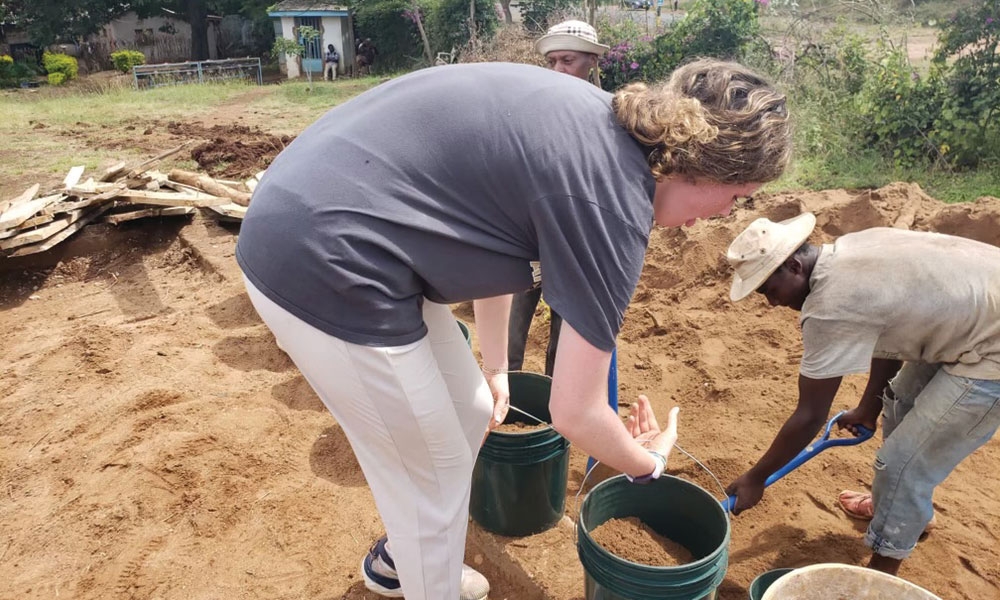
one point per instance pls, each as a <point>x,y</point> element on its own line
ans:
<point>330,71</point>
<point>415,416</point>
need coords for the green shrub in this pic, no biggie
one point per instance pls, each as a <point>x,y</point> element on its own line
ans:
<point>7,71</point>
<point>535,13</point>
<point>395,37</point>
<point>951,115</point>
<point>447,23</point>
<point>838,63</point>
<point>898,107</point>
<point>62,64</point>
<point>124,60</point>
<point>968,126</point>
<point>725,29</point>
<point>57,78</point>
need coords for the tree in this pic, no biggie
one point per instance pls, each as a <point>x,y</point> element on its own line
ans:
<point>197,16</point>
<point>50,21</point>
<point>414,14</point>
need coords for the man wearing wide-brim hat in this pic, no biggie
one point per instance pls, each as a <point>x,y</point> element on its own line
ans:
<point>920,312</point>
<point>571,47</point>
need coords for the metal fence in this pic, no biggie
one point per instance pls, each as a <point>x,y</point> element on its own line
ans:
<point>230,69</point>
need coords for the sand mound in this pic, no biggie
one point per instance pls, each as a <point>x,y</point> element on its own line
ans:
<point>157,444</point>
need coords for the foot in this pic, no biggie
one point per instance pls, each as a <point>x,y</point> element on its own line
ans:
<point>379,573</point>
<point>859,505</point>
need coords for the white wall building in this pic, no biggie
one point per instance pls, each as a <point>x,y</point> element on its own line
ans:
<point>331,20</point>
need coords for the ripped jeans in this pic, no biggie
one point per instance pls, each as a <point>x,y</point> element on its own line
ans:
<point>931,421</point>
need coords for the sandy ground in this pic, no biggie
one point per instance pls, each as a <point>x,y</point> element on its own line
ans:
<point>155,443</point>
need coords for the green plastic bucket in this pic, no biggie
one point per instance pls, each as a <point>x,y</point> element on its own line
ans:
<point>465,332</point>
<point>764,581</point>
<point>673,507</point>
<point>519,481</point>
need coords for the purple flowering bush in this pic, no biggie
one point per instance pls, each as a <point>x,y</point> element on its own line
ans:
<point>629,51</point>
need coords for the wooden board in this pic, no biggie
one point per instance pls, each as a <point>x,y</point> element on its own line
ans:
<point>91,187</point>
<point>112,173</point>
<point>73,177</point>
<point>89,216</point>
<point>25,196</point>
<point>168,211</point>
<point>231,210</point>
<point>171,199</point>
<point>16,215</point>
<point>182,187</point>
<point>65,207</point>
<point>149,164</point>
<point>41,219</point>
<point>32,236</point>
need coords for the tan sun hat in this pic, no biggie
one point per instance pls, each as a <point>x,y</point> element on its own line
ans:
<point>570,35</point>
<point>762,248</point>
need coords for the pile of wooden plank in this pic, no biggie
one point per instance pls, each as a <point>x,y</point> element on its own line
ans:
<point>35,222</point>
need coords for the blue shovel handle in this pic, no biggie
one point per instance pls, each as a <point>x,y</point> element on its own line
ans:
<point>810,451</point>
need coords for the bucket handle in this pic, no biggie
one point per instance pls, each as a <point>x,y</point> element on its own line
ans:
<point>676,447</point>
<point>524,412</point>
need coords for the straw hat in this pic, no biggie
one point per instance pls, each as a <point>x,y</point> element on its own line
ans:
<point>570,35</point>
<point>758,252</point>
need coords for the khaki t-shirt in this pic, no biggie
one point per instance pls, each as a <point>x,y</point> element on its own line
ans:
<point>903,295</point>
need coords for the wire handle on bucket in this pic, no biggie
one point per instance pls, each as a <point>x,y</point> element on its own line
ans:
<point>676,447</point>
<point>528,414</point>
<point>524,412</point>
<point>810,451</point>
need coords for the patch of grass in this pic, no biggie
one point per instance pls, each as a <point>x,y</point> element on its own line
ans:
<point>296,107</point>
<point>39,156</point>
<point>865,169</point>
<point>110,105</point>
<point>830,153</point>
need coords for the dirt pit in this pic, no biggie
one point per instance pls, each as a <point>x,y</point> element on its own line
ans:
<point>637,542</point>
<point>232,151</point>
<point>155,443</point>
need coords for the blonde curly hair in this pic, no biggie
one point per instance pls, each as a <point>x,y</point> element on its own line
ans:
<point>712,120</point>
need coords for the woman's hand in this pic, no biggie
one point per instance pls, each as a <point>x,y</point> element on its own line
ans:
<point>646,430</point>
<point>501,398</point>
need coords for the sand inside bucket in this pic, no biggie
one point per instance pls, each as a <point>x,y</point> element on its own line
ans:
<point>518,427</point>
<point>633,540</point>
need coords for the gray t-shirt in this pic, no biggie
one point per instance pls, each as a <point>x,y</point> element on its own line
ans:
<point>903,295</point>
<point>451,184</point>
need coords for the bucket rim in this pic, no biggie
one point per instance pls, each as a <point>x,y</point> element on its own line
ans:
<point>711,558</point>
<point>804,571</point>
<point>760,577</point>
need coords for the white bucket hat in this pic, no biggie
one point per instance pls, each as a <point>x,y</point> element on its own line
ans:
<point>758,252</point>
<point>570,35</point>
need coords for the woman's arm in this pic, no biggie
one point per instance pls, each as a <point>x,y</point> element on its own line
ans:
<point>492,316</point>
<point>580,412</point>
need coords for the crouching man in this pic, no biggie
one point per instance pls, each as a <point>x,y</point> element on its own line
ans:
<point>920,312</point>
